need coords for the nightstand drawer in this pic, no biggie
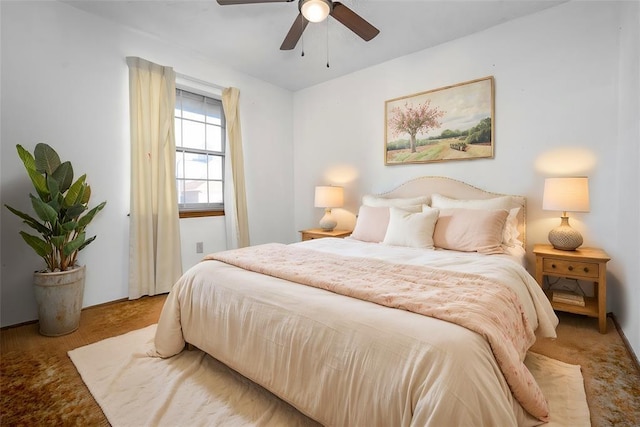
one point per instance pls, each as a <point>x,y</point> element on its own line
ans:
<point>319,233</point>
<point>570,268</point>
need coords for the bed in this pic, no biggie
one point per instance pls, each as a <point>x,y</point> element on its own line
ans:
<point>421,318</point>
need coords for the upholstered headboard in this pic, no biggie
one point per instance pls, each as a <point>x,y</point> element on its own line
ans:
<point>428,185</point>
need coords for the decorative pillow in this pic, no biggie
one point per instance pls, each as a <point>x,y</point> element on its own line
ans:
<point>470,230</point>
<point>412,229</point>
<point>510,232</point>
<point>413,204</point>
<point>371,225</point>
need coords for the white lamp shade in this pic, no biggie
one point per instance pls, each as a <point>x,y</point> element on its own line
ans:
<point>329,197</point>
<point>566,194</point>
<point>315,10</point>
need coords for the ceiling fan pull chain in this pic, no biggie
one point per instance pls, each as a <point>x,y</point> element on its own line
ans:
<point>327,43</point>
<point>302,36</point>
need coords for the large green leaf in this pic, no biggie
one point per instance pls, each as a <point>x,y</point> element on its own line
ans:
<point>39,183</point>
<point>52,186</point>
<point>74,212</point>
<point>74,245</point>
<point>64,175</point>
<point>29,220</point>
<point>86,242</point>
<point>87,195</point>
<point>54,193</point>
<point>26,157</point>
<point>58,241</point>
<point>47,160</point>
<point>75,192</point>
<point>69,226</point>
<point>45,212</point>
<point>88,217</point>
<point>41,247</point>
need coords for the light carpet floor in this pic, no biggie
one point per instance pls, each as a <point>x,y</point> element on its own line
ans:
<point>192,388</point>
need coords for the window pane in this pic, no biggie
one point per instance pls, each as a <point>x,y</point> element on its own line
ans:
<point>195,191</point>
<point>199,132</point>
<point>215,167</point>
<point>192,106</point>
<point>179,164</point>
<point>180,186</point>
<point>193,134</point>
<point>178,106</point>
<point>195,166</point>
<point>215,192</point>
<point>178,132</point>
<point>213,111</point>
<point>214,138</point>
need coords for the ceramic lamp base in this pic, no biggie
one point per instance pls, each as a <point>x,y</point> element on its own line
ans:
<point>328,223</point>
<point>564,237</point>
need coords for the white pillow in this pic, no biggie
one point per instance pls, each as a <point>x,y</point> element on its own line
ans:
<point>510,233</point>
<point>413,204</point>
<point>412,229</point>
<point>371,225</point>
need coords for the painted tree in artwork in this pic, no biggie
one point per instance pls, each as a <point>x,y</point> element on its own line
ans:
<point>413,120</point>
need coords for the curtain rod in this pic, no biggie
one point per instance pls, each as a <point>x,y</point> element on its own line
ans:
<point>202,82</point>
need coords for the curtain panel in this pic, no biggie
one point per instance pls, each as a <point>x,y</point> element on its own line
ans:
<point>155,260</point>
<point>236,203</point>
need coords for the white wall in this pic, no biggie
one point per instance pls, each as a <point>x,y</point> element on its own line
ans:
<point>626,300</point>
<point>560,93</point>
<point>64,81</point>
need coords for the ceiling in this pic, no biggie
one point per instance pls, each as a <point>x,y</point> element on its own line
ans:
<point>247,37</point>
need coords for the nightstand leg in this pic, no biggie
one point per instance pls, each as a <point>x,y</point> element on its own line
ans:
<point>601,289</point>
<point>602,320</point>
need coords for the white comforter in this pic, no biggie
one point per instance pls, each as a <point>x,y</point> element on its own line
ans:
<point>346,362</point>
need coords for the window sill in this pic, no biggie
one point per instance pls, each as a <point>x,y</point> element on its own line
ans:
<point>200,214</point>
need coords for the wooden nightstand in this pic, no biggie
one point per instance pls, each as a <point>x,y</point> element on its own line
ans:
<point>581,264</point>
<point>319,233</point>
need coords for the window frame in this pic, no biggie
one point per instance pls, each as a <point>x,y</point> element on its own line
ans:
<point>196,210</point>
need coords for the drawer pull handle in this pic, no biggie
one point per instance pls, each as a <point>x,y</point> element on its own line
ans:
<point>571,268</point>
<point>553,266</point>
<point>586,269</point>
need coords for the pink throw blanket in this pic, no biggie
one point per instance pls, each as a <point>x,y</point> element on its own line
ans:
<point>471,301</point>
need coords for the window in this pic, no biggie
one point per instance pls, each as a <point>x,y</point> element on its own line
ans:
<point>200,141</point>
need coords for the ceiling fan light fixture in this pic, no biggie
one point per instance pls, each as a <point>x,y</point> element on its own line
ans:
<point>315,10</point>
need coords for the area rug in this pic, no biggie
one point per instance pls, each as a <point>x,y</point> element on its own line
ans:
<point>192,388</point>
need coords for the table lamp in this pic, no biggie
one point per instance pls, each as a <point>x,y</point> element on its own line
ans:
<point>328,197</point>
<point>566,194</point>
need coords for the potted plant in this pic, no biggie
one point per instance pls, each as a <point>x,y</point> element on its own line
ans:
<point>62,215</point>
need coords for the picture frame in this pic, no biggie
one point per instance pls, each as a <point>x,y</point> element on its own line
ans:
<point>449,123</point>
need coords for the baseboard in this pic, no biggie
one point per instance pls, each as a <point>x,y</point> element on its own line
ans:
<point>31,322</point>
<point>632,354</point>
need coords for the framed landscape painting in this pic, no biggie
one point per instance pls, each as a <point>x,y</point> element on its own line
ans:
<point>449,123</point>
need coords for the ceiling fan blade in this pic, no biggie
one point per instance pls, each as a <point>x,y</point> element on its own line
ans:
<point>353,21</point>
<point>232,2</point>
<point>295,32</point>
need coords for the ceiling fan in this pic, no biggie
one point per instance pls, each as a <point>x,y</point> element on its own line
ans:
<point>317,11</point>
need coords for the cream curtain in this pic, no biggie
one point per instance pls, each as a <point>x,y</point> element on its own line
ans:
<point>155,261</point>
<point>236,200</point>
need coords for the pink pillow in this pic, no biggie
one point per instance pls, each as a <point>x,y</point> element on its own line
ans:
<point>372,223</point>
<point>470,230</point>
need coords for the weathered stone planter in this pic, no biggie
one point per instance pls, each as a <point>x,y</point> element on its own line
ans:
<point>59,298</point>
